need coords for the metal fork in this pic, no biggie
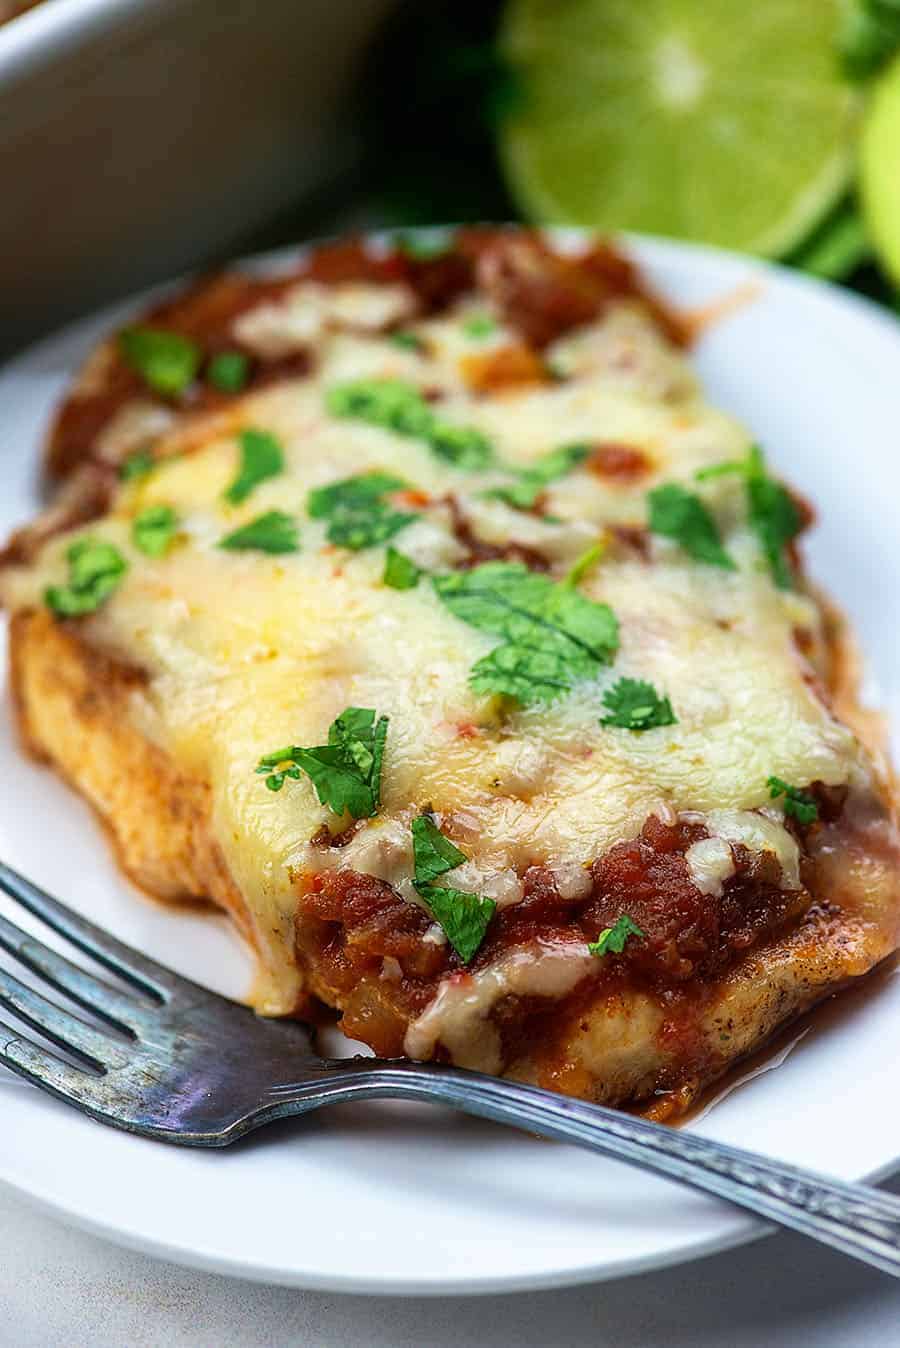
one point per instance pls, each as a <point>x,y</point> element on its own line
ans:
<point>169,1060</point>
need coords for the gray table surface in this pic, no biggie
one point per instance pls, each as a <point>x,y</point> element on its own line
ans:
<point>62,1289</point>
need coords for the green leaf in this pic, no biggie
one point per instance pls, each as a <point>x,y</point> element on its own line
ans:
<point>611,940</point>
<point>407,341</point>
<point>399,406</point>
<point>393,403</point>
<point>534,479</point>
<point>478,326</point>
<point>166,361</point>
<point>868,36</point>
<point>228,371</point>
<point>424,246</point>
<point>356,533</point>
<point>773,516</point>
<point>346,772</point>
<point>352,493</point>
<point>727,468</point>
<point>583,564</point>
<point>433,854</point>
<point>137,466</point>
<point>277,766</point>
<point>261,457</point>
<point>271,532</point>
<point>153,530</point>
<point>679,514</point>
<point>358,516</point>
<point>775,520</point>
<point>400,572</point>
<point>95,570</point>
<point>797,803</point>
<point>464,917</point>
<point>553,637</point>
<point>634,704</point>
<point>464,446</point>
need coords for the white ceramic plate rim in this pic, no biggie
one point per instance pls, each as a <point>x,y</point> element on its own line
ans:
<point>714,272</point>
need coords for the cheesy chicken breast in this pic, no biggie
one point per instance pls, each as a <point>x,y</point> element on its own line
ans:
<point>414,606</point>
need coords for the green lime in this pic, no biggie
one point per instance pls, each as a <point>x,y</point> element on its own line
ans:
<point>879,168</point>
<point>703,119</point>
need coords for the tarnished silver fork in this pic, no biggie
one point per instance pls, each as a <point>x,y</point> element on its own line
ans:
<point>167,1059</point>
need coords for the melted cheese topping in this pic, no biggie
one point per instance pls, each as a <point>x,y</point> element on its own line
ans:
<point>246,651</point>
<point>459,1016</point>
<point>710,862</point>
<point>278,328</point>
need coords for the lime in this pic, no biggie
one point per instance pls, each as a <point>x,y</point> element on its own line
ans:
<point>879,168</point>
<point>703,119</point>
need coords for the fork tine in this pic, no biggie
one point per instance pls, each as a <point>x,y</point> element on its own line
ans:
<point>43,1068</point>
<point>90,992</point>
<point>62,1027</point>
<point>143,973</point>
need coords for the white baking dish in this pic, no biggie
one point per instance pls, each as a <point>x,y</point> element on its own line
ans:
<point>141,137</point>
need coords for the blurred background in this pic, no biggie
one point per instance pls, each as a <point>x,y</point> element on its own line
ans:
<point>140,138</point>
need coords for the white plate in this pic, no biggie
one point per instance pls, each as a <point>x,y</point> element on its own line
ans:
<point>406,1198</point>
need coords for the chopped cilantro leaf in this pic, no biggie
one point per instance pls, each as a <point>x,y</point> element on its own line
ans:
<point>775,520</point>
<point>634,704</point>
<point>727,468</point>
<point>345,772</point>
<point>611,940</point>
<point>463,446</point>
<point>136,466</point>
<point>356,532</point>
<point>352,493</point>
<point>464,917</point>
<point>425,246</point>
<point>228,371</point>
<point>524,492</point>
<point>399,406</point>
<point>95,570</point>
<point>433,854</point>
<point>400,572</point>
<point>153,530</point>
<point>261,457</point>
<point>478,326</point>
<point>773,514</point>
<point>393,403</point>
<point>357,513</point>
<point>166,361</point>
<point>585,563</point>
<point>271,532</point>
<point>797,803</point>
<point>679,514</point>
<point>407,341</point>
<point>553,637</point>
<point>278,765</point>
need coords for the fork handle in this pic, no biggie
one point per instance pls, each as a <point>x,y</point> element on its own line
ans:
<point>854,1218</point>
